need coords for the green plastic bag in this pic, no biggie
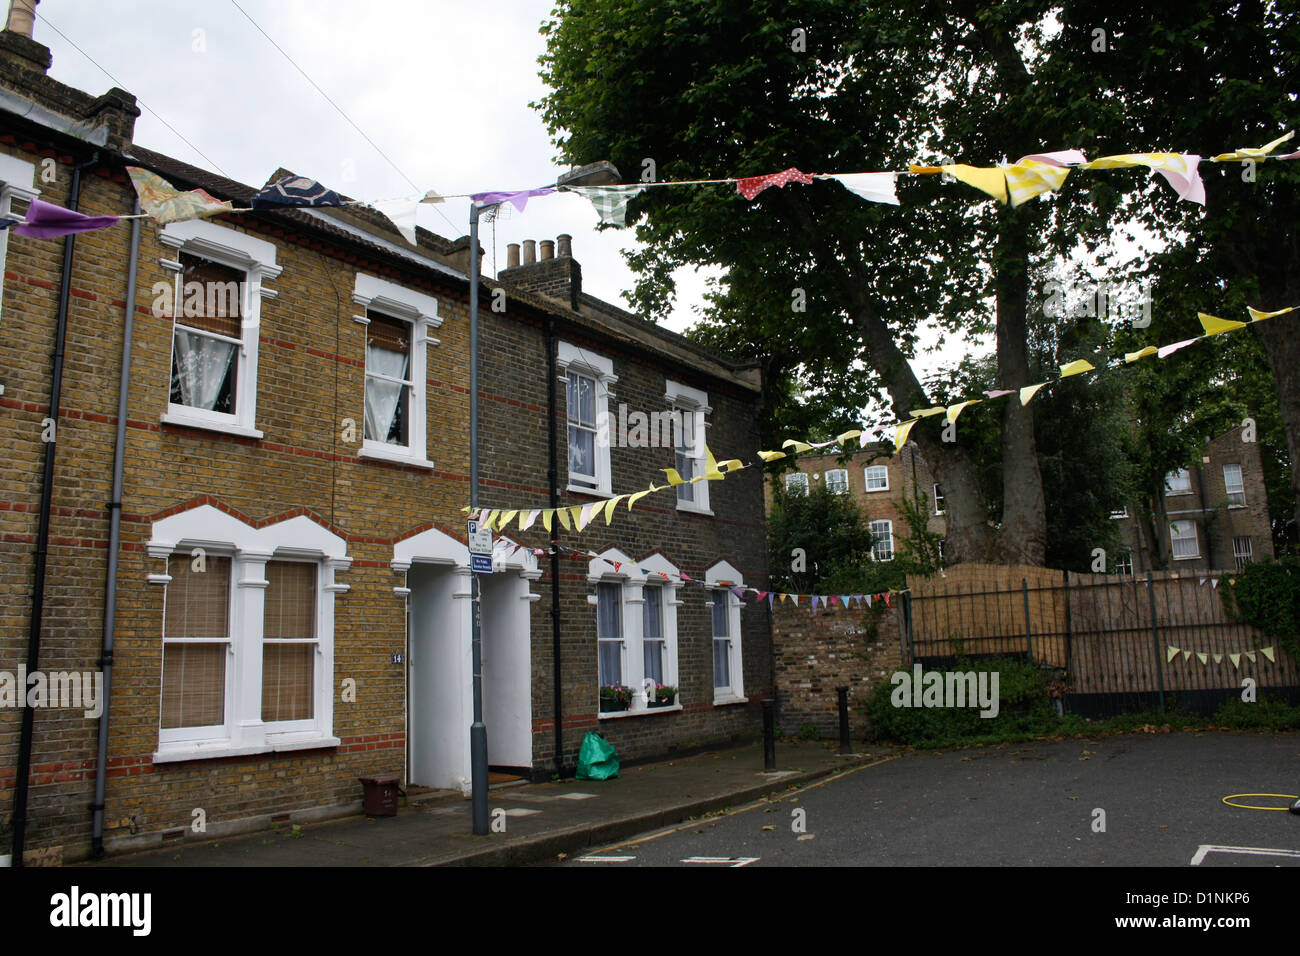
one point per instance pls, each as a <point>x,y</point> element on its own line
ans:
<point>596,758</point>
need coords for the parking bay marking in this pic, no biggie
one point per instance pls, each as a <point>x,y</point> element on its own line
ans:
<point>1207,848</point>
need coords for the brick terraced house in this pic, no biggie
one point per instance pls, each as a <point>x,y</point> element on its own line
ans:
<point>278,594</point>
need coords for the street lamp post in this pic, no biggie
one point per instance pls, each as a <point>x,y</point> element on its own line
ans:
<point>595,174</point>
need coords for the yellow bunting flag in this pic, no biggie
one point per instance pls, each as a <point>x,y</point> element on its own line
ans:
<point>1170,653</point>
<point>711,471</point>
<point>1031,177</point>
<point>1203,658</point>
<point>1029,391</point>
<point>901,432</point>
<point>798,446</point>
<point>491,517</point>
<point>547,515</point>
<point>574,513</point>
<point>1250,655</point>
<point>1214,325</point>
<point>987,180</point>
<point>1131,357</point>
<point>1258,316</point>
<point>1077,367</point>
<point>563,515</point>
<point>609,508</point>
<point>1246,152</point>
<point>927,412</point>
<point>1236,660</point>
<point>771,455</point>
<point>845,436</point>
<point>1218,658</point>
<point>634,498</point>
<point>673,477</point>
<point>1187,656</point>
<point>506,518</point>
<point>955,410</point>
<point>1267,651</point>
<point>467,509</point>
<point>730,465</point>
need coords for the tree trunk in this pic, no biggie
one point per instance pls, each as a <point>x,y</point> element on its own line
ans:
<point>1023,536</point>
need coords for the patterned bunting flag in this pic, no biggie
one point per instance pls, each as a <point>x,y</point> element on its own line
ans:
<point>296,191</point>
<point>753,185</point>
<point>1179,170</point>
<point>610,201</point>
<point>165,203</point>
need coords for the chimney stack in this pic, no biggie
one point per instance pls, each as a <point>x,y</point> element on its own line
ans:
<point>512,255</point>
<point>530,252</point>
<point>22,17</point>
<point>564,246</point>
<point>548,249</point>
<point>553,273</point>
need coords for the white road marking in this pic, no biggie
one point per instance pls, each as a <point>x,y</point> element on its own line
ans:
<point>520,811</point>
<point>732,861</point>
<point>576,796</point>
<point>606,859</point>
<point>1207,848</point>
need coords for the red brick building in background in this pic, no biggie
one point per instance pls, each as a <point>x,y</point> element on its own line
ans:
<point>284,602</point>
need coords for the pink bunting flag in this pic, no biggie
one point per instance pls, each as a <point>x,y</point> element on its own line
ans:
<point>752,186</point>
<point>1166,350</point>
<point>999,392</point>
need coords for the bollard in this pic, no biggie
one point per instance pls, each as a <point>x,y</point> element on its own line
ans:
<point>769,735</point>
<point>843,693</point>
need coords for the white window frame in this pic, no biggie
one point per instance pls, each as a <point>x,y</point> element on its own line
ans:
<point>938,499</point>
<point>888,531</point>
<point>866,478</point>
<point>17,181</point>
<point>421,311</point>
<point>570,357</point>
<point>1178,482</point>
<point>1240,487</point>
<point>257,259</point>
<point>1174,539</point>
<point>843,474</point>
<point>792,482</point>
<point>295,539</point>
<point>686,401</point>
<point>614,567</point>
<point>719,579</point>
<point>1124,563</point>
<point>1119,514</point>
<point>1241,556</point>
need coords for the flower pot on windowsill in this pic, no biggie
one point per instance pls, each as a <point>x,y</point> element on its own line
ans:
<point>660,703</point>
<point>663,696</point>
<point>610,706</point>
<point>615,697</point>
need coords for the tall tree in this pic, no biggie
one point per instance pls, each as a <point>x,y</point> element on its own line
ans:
<point>706,90</point>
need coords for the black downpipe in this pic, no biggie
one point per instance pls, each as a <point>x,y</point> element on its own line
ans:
<point>553,477</point>
<point>114,543</point>
<point>43,531</point>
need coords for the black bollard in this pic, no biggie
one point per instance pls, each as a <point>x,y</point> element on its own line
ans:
<point>769,735</point>
<point>843,693</point>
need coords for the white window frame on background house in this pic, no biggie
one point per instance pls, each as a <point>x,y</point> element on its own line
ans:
<point>420,312</point>
<point>837,481</point>
<point>939,500</point>
<point>1243,551</point>
<point>1178,534</point>
<point>206,532</point>
<point>573,362</point>
<point>1124,563</point>
<point>614,568</point>
<point>882,531</point>
<point>256,258</point>
<point>877,472</point>
<point>1178,482</point>
<point>796,483</point>
<point>17,181</point>
<point>720,579</point>
<point>1234,486</point>
<point>689,442</point>
<point>1119,514</point>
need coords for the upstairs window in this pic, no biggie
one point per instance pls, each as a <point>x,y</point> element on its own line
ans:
<point>588,379</point>
<point>837,481</point>
<point>1233,485</point>
<point>876,478</point>
<point>796,484</point>
<point>389,385</point>
<point>1178,482</point>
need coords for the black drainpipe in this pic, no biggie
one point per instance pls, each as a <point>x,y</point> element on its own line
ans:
<point>43,532</point>
<point>553,477</point>
<point>114,543</point>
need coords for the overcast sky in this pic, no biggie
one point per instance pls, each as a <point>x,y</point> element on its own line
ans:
<point>441,87</point>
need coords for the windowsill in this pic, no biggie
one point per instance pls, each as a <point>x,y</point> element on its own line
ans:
<point>1189,557</point>
<point>196,421</point>
<point>1235,507</point>
<point>615,714</point>
<point>724,701</point>
<point>1175,494</point>
<point>694,509</point>
<point>591,492</point>
<point>212,751</point>
<point>872,491</point>
<point>394,454</point>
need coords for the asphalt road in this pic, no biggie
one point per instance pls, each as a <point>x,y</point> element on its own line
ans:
<point>1159,797</point>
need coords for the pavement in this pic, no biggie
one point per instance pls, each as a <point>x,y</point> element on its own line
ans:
<point>536,823</point>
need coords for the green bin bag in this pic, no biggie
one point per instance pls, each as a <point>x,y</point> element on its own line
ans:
<point>596,758</point>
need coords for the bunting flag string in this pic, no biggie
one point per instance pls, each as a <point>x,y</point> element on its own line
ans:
<point>1204,657</point>
<point>580,516</point>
